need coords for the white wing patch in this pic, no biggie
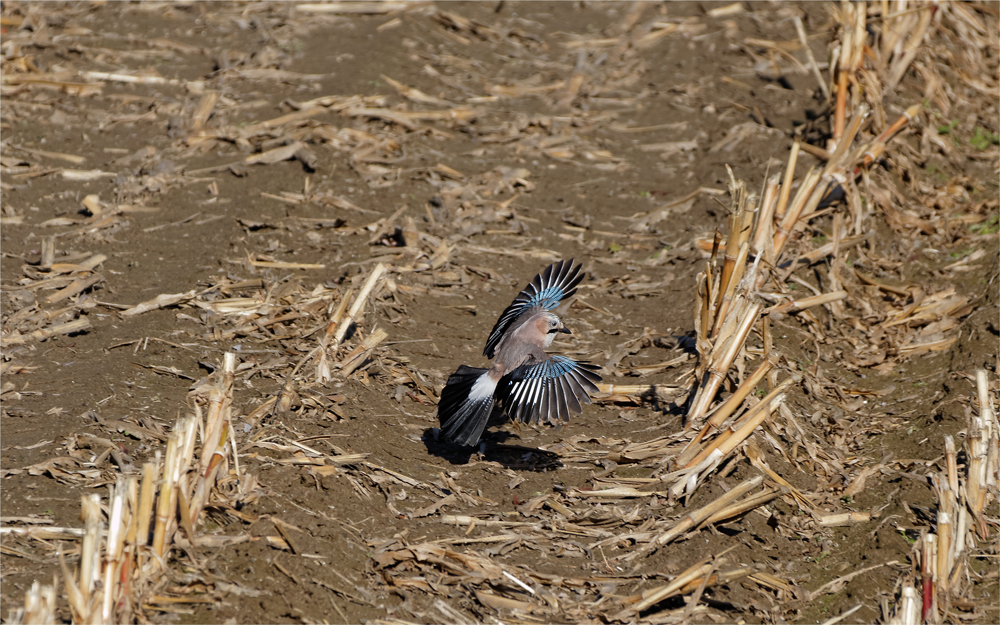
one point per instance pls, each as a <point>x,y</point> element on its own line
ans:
<point>483,388</point>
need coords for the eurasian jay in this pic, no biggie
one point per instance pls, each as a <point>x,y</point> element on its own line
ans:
<point>525,381</point>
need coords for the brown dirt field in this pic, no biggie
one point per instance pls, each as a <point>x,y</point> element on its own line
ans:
<point>529,164</point>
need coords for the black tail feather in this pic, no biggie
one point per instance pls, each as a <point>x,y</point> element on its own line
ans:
<point>462,418</point>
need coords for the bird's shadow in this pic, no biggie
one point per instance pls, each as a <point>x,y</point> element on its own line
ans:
<point>492,448</point>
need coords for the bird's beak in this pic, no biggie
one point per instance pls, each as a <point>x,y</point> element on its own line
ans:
<point>564,330</point>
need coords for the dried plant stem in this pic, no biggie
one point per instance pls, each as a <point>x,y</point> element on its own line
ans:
<point>167,500</point>
<point>130,548</point>
<point>736,236</point>
<point>213,426</point>
<point>943,550</point>
<point>90,557</point>
<point>724,577</point>
<point>807,302</point>
<point>748,504</point>
<point>877,147</point>
<point>44,533</point>
<point>359,304</point>
<point>786,185</point>
<point>844,70</point>
<point>360,353</point>
<point>836,160</point>
<point>724,302</point>
<point>77,599</point>
<point>951,462</point>
<point>696,518</point>
<point>841,108</point>
<point>323,367</point>
<point>928,574</point>
<point>763,238</point>
<point>461,519</point>
<point>749,422</point>
<point>695,455</point>
<point>117,528</point>
<point>723,412</point>
<point>982,453</point>
<point>338,314</point>
<point>147,495</point>
<point>907,613</point>
<point>716,373</point>
<point>801,31</point>
<point>655,596</point>
<point>323,370</point>
<point>39,606</point>
<point>702,311</point>
<point>218,428</point>
<point>756,458</point>
<point>910,49</point>
<point>77,325</point>
<point>806,190</point>
<point>636,389</point>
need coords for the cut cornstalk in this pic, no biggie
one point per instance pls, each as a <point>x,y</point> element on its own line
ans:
<point>801,31</point>
<point>359,304</point>
<point>167,499</point>
<point>877,147</point>
<point>756,458</point>
<point>943,549</point>
<point>726,299</point>
<point>716,373</point>
<point>696,518</point>
<point>748,504</point>
<point>39,605</point>
<point>737,236</point>
<point>786,185</point>
<point>719,416</point>
<point>723,577</point>
<point>837,156</point>
<point>147,495</point>
<point>77,325</point>
<point>360,353</point>
<point>749,422</point>
<point>807,302</point>
<point>928,564</point>
<point>652,597</point>
<point>765,217</point>
<point>907,612</point>
<point>117,528</point>
<point>842,78</point>
<point>697,455</point>
<point>636,389</point>
<point>90,555</point>
<point>784,229</point>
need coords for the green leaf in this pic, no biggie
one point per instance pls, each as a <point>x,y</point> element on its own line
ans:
<point>983,139</point>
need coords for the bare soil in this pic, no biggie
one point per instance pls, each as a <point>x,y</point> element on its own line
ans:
<point>543,168</point>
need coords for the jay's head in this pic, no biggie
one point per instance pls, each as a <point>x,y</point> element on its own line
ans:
<point>548,325</point>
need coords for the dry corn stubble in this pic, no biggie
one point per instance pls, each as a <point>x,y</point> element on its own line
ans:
<point>479,219</point>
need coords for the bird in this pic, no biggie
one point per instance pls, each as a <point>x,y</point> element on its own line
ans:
<point>526,382</point>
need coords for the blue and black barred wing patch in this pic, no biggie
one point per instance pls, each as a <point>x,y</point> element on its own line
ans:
<point>554,284</point>
<point>552,389</point>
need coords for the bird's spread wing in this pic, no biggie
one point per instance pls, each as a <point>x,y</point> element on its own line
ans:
<point>554,284</point>
<point>547,390</point>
